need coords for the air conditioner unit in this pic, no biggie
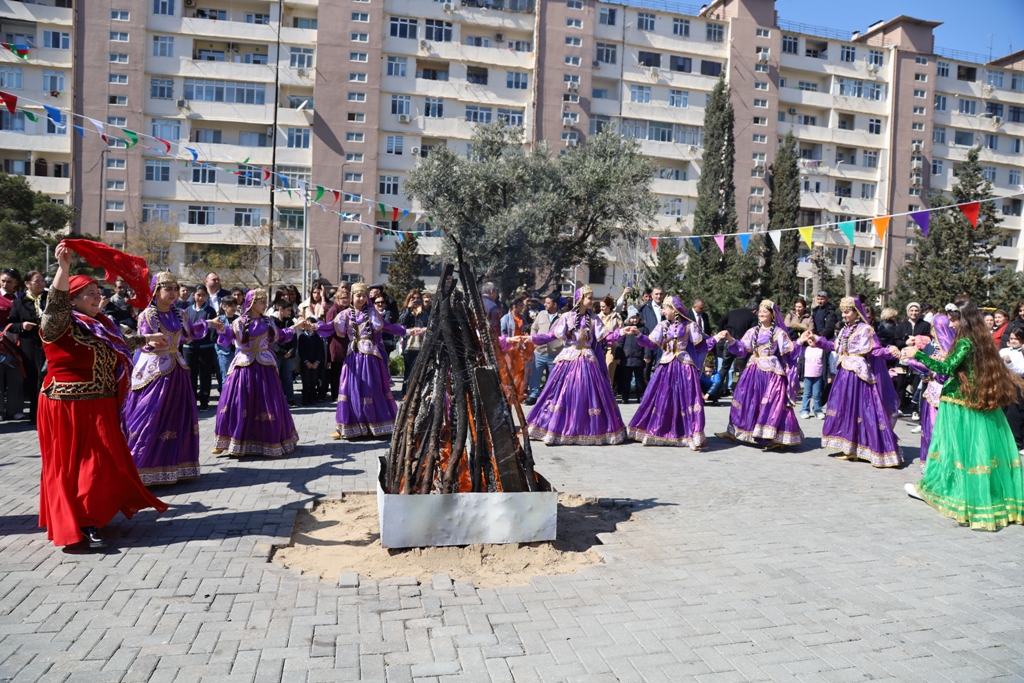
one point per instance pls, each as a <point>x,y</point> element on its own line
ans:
<point>270,131</point>
<point>415,151</point>
<point>693,149</point>
<point>792,112</point>
<point>763,57</point>
<point>873,68</point>
<point>572,85</point>
<point>424,45</point>
<point>182,103</point>
<point>596,64</point>
<point>986,90</point>
<point>997,120</point>
<point>655,71</point>
<point>916,147</point>
<point>915,180</point>
<point>499,36</point>
<point>190,3</point>
<point>264,222</point>
<point>303,71</point>
<point>916,164</point>
<point>571,142</point>
<point>567,122</point>
<point>404,118</point>
<point>449,7</point>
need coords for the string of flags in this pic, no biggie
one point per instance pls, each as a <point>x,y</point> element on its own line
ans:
<point>275,182</point>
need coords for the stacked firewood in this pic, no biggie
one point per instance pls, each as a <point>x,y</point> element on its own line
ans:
<point>455,431</point>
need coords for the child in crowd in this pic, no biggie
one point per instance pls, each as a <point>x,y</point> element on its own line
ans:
<point>1013,356</point>
<point>632,359</point>
<point>312,357</point>
<point>813,370</point>
<point>228,314</point>
<point>711,382</point>
<point>285,352</point>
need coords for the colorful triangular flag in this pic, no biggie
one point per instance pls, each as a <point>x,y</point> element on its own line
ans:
<point>54,114</point>
<point>11,101</point>
<point>744,241</point>
<point>720,241</point>
<point>337,196</point>
<point>29,115</point>
<point>696,243</point>
<point>319,192</point>
<point>881,225</point>
<point>970,210</point>
<point>80,131</point>
<point>99,129</point>
<point>394,216</point>
<point>195,154</point>
<point>383,211</point>
<point>921,218</point>
<point>848,228</point>
<point>776,236</point>
<point>808,234</point>
<point>654,243</point>
<point>133,137</point>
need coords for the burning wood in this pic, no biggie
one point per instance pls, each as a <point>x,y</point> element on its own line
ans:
<point>455,431</point>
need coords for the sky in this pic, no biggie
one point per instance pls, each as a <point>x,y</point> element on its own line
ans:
<point>967,24</point>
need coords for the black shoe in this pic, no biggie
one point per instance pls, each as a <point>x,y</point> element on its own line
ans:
<point>94,538</point>
<point>203,409</point>
<point>530,401</point>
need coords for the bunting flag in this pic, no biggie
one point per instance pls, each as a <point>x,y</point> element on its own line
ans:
<point>720,241</point>
<point>808,234</point>
<point>776,236</point>
<point>80,131</point>
<point>319,192</point>
<point>399,235</point>
<point>54,114</point>
<point>266,175</point>
<point>133,137</point>
<point>696,243</point>
<point>881,225</point>
<point>921,218</point>
<point>744,241</point>
<point>848,228</point>
<point>337,196</point>
<point>99,129</point>
<point>10,100</point>
<point>383,211</point>
<point>29,115</point>
<point>394,216</point>
<point>20,50</point>
<point>970,210</point>
<point>165,143</point>
<point>195,154</point>
<point>654,243</point>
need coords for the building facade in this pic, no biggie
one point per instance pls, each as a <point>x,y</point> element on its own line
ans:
<point>349,94</point>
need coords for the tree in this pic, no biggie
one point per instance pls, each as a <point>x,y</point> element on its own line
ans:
<point>30,224</point>
<point>404,269</point>
<point>523,217</point>
<point>243,261</point>
<point>153,241</point>
<point>665,271</point>
<point>953,258</point>
<point>723,280</point>
<point>779,280</point>
<point>1006,290</point>
<point>824,277</point>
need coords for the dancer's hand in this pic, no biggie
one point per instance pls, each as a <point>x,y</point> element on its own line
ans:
<point>63,254</point>
<point>217,324</point>
<point>157,340</point>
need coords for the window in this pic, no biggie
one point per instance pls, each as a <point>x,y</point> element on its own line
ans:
<point>681,27</point>
<point>574,23</point>
<point>1015,174</point>
<point>677,63</point>
<point>401,104</point>
<point>790,45</point>
<point>165,7</point>
<point>53,81</point>
<point>515,117</point>
<point>870,158</point>
<point>349,237</point>
<point>678,98</point>
<point>361,17</point>
<point>943,69</point>
<point>757,208</point>
<point>156,212</point>
<point>394,144</point>
<point>353,198</point>
<point>758,158</point>
<point>605,53</point>
<point>876,57</point>
<point>246,217</point>
<point>919,111</point>
<point>161,88</point>
<point>438,31</point>
<point>58,40</point>
<point>118,58</point>
<point>763,33</point>
<point>674,207</point>
<point>940,102</point>
<point>993,109</point>
<point>116,226</point>
<point>571,78</point>
<point>917,126</point>
<point>760,138</point>
<point>867,190</point>
<point>574,4</point>
<point>433,108</point>
<point>606,16</point>
<point>358,57</point>
<point>477,114</point>
<point>115,162</point>
<point>396,66</point>
<point>1016,145</point>
<point>756,191</point>
<point>991,141</point>
<point>301,57</point>
<point>353,137</point>
<point>595,93</point>
<point>936,166</point>
<point>252,139</point>
<point>201,215</point>
<point>760,85</point>
<point>304,22</point>
<point>403,28</point>
<point>571,41</point>
<point>760,103</point>
<point>167,129</point>
<point>115,185</point>
<point>994,78</point>
<point>989,172</point>
<point>257,18</point>
<point>875,126</point>
<point>865,258</point>
<point>517,80</point>
<point>163,46</point>
<point>115,205</point>
<point>648,58</point>
<point>204,175</point>
<point>812,186</point>
<point>298,138</point>
<point>224,91</point>
<point>353,177</point>
<point>388,184</point>
<point>1015,114</point>
<point>715,33</point>
<point>921,93</point>
<point>709,68</point>
<point>357,97</point>
<point>119,15</point>
<point>249,176</point>
<point>760,120</point>
<point>572,60</point>
<point>119,121</point>
<point>115,36</point>
<point>640,93</point>
<point>921,78</point>
<point>847,53</point>
<point>968,107</point>
<point>645,21</point>
<point>357,37</point>
<point>158,171</point>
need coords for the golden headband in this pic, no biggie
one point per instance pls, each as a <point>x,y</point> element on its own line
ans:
<point>848,303</point>
<point>166,278</point>
<point>359,287</point>
<point>769,304</point>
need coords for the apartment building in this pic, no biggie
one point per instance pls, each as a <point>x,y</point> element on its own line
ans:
<point>882,116</point>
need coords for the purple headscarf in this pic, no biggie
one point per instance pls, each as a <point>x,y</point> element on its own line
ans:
<point>890,399</point>
<point>677,304</point>
<point>944,332</point>
<point>789,365</point>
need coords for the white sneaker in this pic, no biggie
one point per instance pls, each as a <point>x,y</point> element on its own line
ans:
<point>805,416</point>
<point>916,430</point>
<point>912,491</point>
<point>820,416</point>
<point>916,416</point>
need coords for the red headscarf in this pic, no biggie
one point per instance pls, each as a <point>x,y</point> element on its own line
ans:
<point>78,283</point>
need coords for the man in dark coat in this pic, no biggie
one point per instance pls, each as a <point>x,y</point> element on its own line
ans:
<point>737,321</point>
<point>634,360</point>
<point>650,314</point>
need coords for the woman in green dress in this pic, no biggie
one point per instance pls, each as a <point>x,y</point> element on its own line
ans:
<point>974,470</point>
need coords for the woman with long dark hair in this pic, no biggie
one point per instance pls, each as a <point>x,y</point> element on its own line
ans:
<point>974,469</point>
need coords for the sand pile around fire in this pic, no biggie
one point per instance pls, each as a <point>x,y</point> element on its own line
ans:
<point>344,536</point>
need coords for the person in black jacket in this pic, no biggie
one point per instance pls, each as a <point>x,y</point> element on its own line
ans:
<point>634,359</point>
<point>888,331</point>
<point>907,383</point>
<point>286,352</point>
<point>200,354</point>
<point>24,321</point>
<point>737,321</point>
<point>312,357</point>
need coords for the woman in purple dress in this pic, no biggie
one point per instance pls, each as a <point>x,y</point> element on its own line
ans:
<point>577,405</point>
<point>862,406</point>
<point>762,405</point>
<point>252,413</point>
<point>672,410</point>
<point>160,413</point>
<point>365,404</point>
<point>943,333</point>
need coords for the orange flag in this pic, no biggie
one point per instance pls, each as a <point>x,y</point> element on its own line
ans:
<point>881,225</point>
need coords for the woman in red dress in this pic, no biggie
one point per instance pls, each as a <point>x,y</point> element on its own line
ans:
<point>88,473</point>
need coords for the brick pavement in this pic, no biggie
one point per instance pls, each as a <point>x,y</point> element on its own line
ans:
<point>737,565</point>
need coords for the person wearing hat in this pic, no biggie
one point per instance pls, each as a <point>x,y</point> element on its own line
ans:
<point>762,406</point>
<point>906,383</point>
<point>252,413</point>
<point>672,411</point>
<point>87,471</point>
<point>160,414</point>
<point>862,407</point>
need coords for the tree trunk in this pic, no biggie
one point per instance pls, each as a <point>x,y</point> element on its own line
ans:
<point>848,271</point>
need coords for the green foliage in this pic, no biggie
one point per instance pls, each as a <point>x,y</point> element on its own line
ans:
<point>522,217</point>
<point>25,218</point>
<point>779,280</point>
<point>724,281</point>
<point>1007,289</point>
<point>954,258</point>
<point>867,288</point>
<point>666,270</point>
<point>404,270</point>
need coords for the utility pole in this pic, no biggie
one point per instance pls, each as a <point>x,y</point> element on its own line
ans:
<point>273,143</point>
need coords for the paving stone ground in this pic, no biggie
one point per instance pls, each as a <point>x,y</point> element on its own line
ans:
<point>737,565</point>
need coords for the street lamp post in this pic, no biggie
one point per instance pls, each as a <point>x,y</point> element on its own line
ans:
<point>46,248</point>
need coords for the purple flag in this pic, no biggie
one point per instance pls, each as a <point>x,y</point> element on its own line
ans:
<point>921,218</point>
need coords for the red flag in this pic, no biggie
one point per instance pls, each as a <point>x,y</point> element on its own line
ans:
<point>394,217</point>
<point>337,196</point>
<point>654,243</point>
<point>10,100</point>
<point>970,210</point>
<point>266,175</point>
<point>132,269</point>
<point>165,143</point>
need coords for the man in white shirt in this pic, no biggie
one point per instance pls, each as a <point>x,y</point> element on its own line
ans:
<point>544,356</point>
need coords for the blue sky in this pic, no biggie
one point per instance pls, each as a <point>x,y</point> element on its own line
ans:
<point>966,23</point>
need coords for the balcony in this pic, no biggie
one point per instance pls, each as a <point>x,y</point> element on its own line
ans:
<point>194,68</point>
<point>50,186</point>
<point>39,144</point>
<point>210,28</point>
<point>40,14</point>
<point>674,188</point>
<point>227,111</point>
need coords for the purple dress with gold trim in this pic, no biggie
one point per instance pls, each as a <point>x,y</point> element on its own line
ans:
<point>577,405</point>
<point>862,405</point>
<point>160,412</point>
<point>672,410</point>
<point>252,413</point>
<point>365,404</point>
<point>762,405</point>
<point>944,335</point>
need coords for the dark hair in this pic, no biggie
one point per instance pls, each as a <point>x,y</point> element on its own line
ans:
<point>201,288</point>
<point>648,291</point>
<point>610,303</point>
<point>800,300</point>
<point>1001,312</point>
<point>31,274</point>
<point>1018,332</point>
<point>985,381</point>
<point>13,272</point>
<point>228,301</point>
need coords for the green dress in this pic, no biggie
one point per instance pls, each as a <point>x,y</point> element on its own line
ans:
<point>974,470</point>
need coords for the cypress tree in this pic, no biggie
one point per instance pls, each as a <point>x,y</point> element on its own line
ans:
<point>779,279</point>
<point>404,271</point>
<point>665,271</point>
